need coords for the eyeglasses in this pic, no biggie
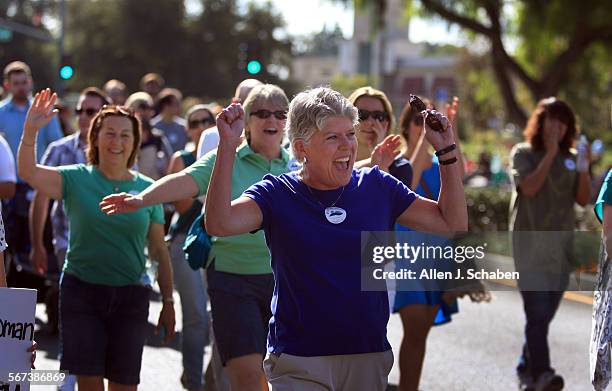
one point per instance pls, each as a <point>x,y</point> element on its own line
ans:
<point>88,112</point>
<point>379,116</point>
<point>263,114</point>
<point>204,121</point>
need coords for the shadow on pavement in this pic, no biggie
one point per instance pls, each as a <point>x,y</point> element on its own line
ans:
<point>47,342</point>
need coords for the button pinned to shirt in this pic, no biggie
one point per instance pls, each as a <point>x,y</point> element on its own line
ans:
<point>570,164</point>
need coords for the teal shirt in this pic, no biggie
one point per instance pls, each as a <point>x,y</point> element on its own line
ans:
<point>605,196</point>
<point>106,250</point>
<point>247,253</point>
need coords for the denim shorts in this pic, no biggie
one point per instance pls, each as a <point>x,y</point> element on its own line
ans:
<point>240,306</point>
<point>103,329</point>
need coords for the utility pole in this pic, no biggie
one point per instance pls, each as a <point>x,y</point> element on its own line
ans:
<point>60,80</point>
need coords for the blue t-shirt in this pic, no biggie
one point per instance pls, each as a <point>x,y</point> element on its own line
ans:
<point>318,307</point>
<point>12,119</point>
<point>431,177</point>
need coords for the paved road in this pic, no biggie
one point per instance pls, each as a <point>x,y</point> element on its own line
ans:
<point>477,351</point>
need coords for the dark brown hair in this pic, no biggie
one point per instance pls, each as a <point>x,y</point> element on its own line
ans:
<point>96,92</point>
<point>93,157</point>
<point>555,108</point>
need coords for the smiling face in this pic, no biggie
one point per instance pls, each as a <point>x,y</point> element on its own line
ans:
<point>267,132</point>
<point>373,129</point>
<point>330,154</point>
<point>115,141</point>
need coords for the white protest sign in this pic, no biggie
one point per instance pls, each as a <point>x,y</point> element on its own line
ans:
<point>17,314</point>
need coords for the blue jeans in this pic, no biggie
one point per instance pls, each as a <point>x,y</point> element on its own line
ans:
<point>540,308</point>
<point>190,285</point>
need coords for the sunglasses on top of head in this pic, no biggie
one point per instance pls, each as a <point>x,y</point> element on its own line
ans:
<point>88,112</point>
<point>379,116</point>
<point>204,121</point>
<point>418,120</point>
<point>263,114</point>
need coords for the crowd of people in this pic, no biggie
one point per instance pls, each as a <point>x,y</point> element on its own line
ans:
<point>282,185</point>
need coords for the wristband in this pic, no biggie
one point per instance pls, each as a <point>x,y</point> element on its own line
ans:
<point>168,300</point>
<point>446,150</point>
<point>22,141</point>
<point>447,162</point>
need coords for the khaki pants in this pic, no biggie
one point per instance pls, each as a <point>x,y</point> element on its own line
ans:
<point>351,372</point>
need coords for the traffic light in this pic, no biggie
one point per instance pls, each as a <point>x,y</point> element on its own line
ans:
<point>250,57</point>
<point>254,67</point>
<point>66,69</point>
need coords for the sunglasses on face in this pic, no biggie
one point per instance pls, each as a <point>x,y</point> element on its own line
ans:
<point>379,116</point>
<point>263,114</point>
<point>87,112</point>
<point>194,123</point>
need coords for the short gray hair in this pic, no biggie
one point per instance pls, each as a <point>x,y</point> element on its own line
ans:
<point>309,110</point>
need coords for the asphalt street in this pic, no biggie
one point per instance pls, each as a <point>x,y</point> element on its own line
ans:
<point>476,351</point>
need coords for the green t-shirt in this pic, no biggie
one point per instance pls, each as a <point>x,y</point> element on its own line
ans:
<point>106,250</point>
<point>247,253</point>
<point>605,196</point>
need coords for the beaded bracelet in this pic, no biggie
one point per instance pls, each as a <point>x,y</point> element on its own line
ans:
<point>446,150</point>
<point>448,161</point>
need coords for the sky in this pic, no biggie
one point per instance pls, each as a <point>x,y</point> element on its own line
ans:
<point>305,17</point>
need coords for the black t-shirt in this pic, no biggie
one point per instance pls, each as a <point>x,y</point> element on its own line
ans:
<point>401,169</point>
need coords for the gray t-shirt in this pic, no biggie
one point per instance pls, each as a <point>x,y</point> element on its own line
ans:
<point>552,208</point>
<point>543,225</point>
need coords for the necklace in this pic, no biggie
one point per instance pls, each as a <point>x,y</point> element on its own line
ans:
<point>333,214</point>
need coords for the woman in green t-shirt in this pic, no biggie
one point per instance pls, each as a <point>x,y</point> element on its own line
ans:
<point>239,276</point>
<point>103,304</point>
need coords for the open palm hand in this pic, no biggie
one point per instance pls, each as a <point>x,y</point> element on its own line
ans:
<point>41,111</point>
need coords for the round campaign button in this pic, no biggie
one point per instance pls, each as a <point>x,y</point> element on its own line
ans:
<point>335,215</point>
<point>293,165</point>
<point>570,164</point>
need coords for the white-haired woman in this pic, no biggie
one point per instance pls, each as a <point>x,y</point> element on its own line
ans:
<point>325,332</point>
<point>239,276</point>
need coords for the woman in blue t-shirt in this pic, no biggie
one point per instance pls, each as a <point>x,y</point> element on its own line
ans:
<point>325,329</point>
<point>421,309</point>
<point>103,304</point>
<point>376,125</point>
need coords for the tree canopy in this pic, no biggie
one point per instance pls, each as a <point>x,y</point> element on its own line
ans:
<point>562,47</point>
<point>124,39</point>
